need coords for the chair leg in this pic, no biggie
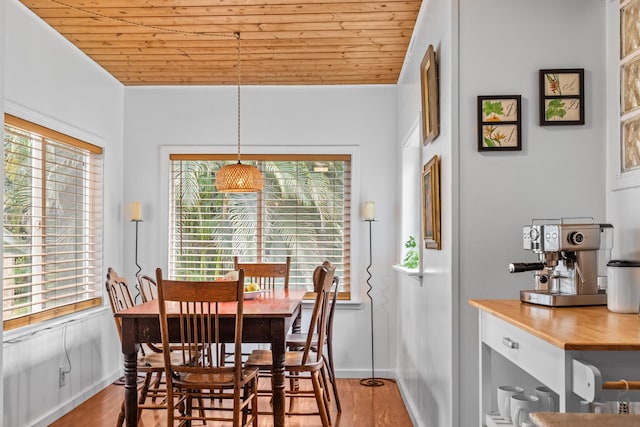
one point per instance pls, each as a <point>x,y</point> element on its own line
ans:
<point>120,420</point>
<point>325,391</point>
<point>245,409</point>
<point>320,400</point>
<point>325,382</point>
<point>334,385</point>
<point>254,402</point>
<point>189,409</point>
<point>332,375</point>
<point>294,385</point>
<point>143,392</point>
<point>156,386</point>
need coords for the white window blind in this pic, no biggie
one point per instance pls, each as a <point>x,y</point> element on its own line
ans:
<point>52,237</point>
<point>302,212</point>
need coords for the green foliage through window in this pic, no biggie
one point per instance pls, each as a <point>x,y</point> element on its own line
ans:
<point>302,212</point>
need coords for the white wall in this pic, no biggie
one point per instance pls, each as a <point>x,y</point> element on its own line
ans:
<point>427,310</point>
<point>284,117</point>
<point>560,171</point>
<point>48,81</point>
<point>492,47</point>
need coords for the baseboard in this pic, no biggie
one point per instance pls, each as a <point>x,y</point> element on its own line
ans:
<point>362,373</point>
<point>409,404</point>
<point>75,401</point>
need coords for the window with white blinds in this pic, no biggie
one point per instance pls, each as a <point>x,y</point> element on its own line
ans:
<point>52,236</point>
<point>303,211</point>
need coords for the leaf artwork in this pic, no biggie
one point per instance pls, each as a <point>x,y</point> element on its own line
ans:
<point>493,137</point>
<point>555,108</point>
<point>492,110</point>
<point>554,84</point>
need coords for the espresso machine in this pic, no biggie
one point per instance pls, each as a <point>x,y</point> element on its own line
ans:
<point>572,258</point>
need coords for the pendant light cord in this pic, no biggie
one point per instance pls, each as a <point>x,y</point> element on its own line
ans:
<point>238,92</point>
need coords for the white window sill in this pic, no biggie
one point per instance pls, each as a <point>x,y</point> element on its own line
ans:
<point>342,304</point>
<point>24,333</point>
<point>411,272</point>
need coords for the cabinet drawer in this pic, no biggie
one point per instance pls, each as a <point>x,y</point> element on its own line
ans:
<point>539,358</point>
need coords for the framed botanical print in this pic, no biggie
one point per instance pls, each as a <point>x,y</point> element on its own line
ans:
<point>431,203</point>
<point>499,123</point>
<point>561,97</point>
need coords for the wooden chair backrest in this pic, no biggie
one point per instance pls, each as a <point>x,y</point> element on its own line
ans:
<point>322,282</point>
<point>199,307</point>
<point>332,307</point>
<point>148,288</point>
<point>268,275</point>
<point>119,296</point>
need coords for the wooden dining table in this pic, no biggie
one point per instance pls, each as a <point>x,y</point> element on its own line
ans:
<point>267,319</point>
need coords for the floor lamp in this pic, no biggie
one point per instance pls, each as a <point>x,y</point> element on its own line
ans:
<point>136,216</point>
<point>369,216</point>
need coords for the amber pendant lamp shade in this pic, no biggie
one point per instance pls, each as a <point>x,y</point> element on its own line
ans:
<point>238,178</point>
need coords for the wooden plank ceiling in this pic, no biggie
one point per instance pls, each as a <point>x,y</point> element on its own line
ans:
<point>282,42</point>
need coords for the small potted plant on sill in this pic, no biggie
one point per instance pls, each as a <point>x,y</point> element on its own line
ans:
<point>411,257</point>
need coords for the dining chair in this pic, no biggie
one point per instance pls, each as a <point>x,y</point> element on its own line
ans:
<point>297,341</point>
<point>268,275</point>
<point>152,393</point>
<point>204,379</point>
<point>148,288</point>
<point>307,362</point>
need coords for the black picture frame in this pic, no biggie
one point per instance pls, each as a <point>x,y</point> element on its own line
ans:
<point>561,96</point>
<point>499,123</point>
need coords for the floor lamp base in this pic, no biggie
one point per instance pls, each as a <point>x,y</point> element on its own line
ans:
<point>371,382</point>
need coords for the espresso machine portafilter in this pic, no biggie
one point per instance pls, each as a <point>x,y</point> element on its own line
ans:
<point>571,266</point>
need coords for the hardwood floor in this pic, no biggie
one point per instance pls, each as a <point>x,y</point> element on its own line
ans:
<point>361,407</point>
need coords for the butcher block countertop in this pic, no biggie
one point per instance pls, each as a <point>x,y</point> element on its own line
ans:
<point>592,328</point>
<point>556,419</point>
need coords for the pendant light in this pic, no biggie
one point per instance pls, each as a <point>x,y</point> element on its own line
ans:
<point>238,178</point>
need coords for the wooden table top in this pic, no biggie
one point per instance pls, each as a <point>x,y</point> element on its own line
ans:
<point>570,328</point>
<point>274,303</point>
<point>556,419</point>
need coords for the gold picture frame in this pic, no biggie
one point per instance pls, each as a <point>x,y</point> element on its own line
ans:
<point>431,203</point>
<point>429,85</point>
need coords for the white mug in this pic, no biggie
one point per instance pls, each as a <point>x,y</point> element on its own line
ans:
<point>521,406</point>
<point>548,399</point>
<point>595,407</point>
<point>528,424</point>
<point>634,408</point>
<point>504,398</point>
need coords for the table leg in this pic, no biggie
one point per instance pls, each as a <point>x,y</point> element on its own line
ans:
<point>277,353</point>
<point>130,373</point>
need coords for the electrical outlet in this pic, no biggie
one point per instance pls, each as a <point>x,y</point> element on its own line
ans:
<point>62,379</point>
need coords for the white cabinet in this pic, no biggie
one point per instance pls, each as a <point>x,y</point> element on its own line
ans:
<point>570,350</point>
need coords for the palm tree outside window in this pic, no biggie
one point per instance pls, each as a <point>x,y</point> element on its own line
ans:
<point>303,211</point>
<point>52,234</point>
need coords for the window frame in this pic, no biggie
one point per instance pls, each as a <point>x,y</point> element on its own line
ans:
<point>40,126</point>
<point>166,151</point>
